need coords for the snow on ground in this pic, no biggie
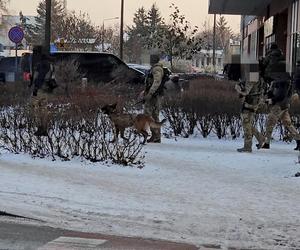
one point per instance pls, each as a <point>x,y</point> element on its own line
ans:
<point>193,190</point>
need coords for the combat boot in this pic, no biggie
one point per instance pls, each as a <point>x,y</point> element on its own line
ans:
<point>259,145</point>
<point>266,146</point>
<point>154,140</point>
<point>298,145</point>
<point>41,132</point>
<point>244,150</point>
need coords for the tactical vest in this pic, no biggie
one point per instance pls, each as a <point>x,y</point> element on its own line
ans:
<point>254,98</point>
<point>149,81</point>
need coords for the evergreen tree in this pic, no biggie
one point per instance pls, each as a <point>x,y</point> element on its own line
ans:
<point>57,16</point>
<point>139,27</point>
<point>3,6</point>
<point>155,27</point>
<point>27,28</point>
<point>137,34</point>
<point>154,18</point>
<point>224,33</point>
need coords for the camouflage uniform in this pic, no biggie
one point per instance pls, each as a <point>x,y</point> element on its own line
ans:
<point>153,100</point>
<point>297,92</point>
<point>251,93</point>
<point>279,100</point>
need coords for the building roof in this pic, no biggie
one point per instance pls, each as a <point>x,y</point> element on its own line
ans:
<point>238,7</point>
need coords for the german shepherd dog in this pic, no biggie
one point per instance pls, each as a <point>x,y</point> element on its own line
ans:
<point>142,123</point>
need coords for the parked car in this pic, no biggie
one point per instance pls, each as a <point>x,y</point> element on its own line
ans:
<point>97,67</point>
<point>143,68</point>
<point>8,69</point>
<point>176,82</point>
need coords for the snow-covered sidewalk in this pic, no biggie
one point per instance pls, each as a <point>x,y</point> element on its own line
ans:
<point>193,190</point>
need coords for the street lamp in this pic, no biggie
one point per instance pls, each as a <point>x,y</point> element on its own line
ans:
<point>122,29</point>
<point>214,44</point>
<point>103,30</point>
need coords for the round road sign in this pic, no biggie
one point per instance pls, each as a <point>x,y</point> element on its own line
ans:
<point>16,34</point>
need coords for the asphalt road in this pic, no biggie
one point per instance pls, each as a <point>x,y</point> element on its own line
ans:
<point>17,236</point>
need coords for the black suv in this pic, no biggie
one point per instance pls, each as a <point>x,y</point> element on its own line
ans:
<point>97,67</point>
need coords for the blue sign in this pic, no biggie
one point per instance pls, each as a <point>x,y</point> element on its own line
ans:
<point>16,34</point>
<point>53,48</point>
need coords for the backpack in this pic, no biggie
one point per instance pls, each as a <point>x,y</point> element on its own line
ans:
<point>276,66</point>
<point>161,88</point>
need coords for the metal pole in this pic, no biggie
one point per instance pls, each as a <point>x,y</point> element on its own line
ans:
<point>48,27</point>
<point>16,63</point>
<point>121,29</point>
<point>214,44</point>
<point>103,36</point>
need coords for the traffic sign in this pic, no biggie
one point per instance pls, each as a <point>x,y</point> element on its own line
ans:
<point>61,43</point>
<point>16,34</point>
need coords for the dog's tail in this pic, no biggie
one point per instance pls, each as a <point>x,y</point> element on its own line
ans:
<point>154,124</point>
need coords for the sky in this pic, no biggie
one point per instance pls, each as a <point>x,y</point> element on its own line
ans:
<point>196,11</point>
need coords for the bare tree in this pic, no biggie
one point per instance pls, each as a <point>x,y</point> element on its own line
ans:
<point>79,32</point>
<point>112,39</point>
<point>177,38</point>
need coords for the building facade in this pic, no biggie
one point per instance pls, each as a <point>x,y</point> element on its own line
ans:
<point>262,23</point>
<point>203,60</point>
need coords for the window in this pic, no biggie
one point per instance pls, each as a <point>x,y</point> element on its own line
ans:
<point>219,61</point>
<point>296,52</point>
<point>208,61</point>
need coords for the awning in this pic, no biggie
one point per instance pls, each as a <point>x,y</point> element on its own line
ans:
<point>238,7</point>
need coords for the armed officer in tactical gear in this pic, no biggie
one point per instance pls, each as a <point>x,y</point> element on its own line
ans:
<point>153,94</point>
<point>279,98</point>
<point>42,73</point>
<point>279,94</point>
<point>251,95</point>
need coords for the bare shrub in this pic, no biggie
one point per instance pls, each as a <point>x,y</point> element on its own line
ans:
<point>17,93</point>
<point>208,105</point>
<point>68,137</point>
<point>67,74</point>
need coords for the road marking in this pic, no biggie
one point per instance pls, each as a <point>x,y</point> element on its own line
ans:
<point>68,243</point>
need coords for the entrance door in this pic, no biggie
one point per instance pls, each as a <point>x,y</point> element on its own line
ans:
<point>281,27</point>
